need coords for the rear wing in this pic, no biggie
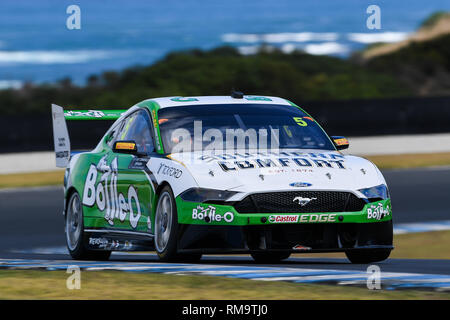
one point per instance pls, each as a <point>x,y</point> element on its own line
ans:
<point>61,135</point>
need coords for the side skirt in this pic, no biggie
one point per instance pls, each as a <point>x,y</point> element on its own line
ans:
<point>118,240</point>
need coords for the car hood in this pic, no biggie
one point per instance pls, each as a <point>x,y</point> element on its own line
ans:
<point>289,169</point>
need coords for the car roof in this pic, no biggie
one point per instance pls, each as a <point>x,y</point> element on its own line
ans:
<point>178,101</point>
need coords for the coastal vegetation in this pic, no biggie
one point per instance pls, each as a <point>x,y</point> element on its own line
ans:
<point>419,66</point>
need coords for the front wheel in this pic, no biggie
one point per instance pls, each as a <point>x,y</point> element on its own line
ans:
<point>166,229</point>
<point>74,229</point>
<point>368,255</point>
<point>269,257</point>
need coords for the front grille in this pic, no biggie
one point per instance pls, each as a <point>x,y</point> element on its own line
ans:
<point>283,202</point>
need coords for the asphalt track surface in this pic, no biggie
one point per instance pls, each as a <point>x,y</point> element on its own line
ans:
<point>32,218</point>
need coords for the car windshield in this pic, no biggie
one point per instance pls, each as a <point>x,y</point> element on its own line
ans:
<point>239,126</point>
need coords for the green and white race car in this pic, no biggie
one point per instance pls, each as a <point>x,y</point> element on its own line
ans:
<point>187,176</point>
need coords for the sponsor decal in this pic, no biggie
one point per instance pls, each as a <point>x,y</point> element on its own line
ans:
<point>90,113</point>
<point>299,247</point>
<point>169,171</point>
<point>273,154</point>
<point>256,98</point>
<point>128,245</point>
<point>98,242</point>
<point>322,217</point>
<point>341,141</point>
<point>138,164</point>
<point>61,142</point>
<point>300,121</point>
<point>304,218</point>
<point>283,218</point>
<point>300,184</point>
<point>115,244</point>
<point>378,212</point>
<point>183,99</point>
<point>125,145</point>
<point>62,154</point>
<point>109,244</point>
<point>209,213</point>
<point>105,195</point>
<point>280,160</point>
<point>303,201</point>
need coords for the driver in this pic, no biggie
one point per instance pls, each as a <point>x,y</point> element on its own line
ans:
<point>143,138</point>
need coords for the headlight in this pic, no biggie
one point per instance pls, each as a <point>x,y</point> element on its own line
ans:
<point>380,191</point>
<point>203,195</point>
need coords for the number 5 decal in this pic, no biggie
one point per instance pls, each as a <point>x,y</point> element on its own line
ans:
<point>300,121</point>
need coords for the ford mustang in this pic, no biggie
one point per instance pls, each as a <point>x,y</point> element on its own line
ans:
<point>186,176</point>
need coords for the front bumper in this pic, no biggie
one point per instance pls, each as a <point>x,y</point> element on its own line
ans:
<point>220,229</point>
<point>293,238</point>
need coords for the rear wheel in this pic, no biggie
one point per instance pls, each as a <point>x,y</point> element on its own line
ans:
<point>75,235</point>
<point>269,257</point>
<point>368,255</point>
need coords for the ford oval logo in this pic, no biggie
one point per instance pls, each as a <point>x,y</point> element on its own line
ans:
<point>300,184</point>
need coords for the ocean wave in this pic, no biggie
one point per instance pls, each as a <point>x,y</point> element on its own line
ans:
<point>315,49</point>
<point>10,84</point>
<point>367,38</point>
<point>326,48</point>
<point>247,50</point>
<point>51,57</point>
<point>288,48</point>
<point>279,37</point>
<point>289,37</point>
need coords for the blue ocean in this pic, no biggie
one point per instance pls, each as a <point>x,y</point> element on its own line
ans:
<point>36,45</point>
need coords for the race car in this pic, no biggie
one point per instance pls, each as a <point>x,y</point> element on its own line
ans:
<point>187,176</point>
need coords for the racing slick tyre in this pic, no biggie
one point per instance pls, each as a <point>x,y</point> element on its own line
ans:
<point>75,236</point>
<point>166,229</point>
<point>269,257</point>
<point>368,256</point>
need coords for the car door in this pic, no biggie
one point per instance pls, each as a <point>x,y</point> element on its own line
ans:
<point>131,186</point>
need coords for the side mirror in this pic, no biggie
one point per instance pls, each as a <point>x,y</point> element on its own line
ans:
<point>341,143</point>
<point>129,147</point>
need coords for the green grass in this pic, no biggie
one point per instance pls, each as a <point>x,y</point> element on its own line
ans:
<point>15,284</point>
<point>32,284</point>
<point>35,179</point>
<point>411,160</point>
<point>422,245</point>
